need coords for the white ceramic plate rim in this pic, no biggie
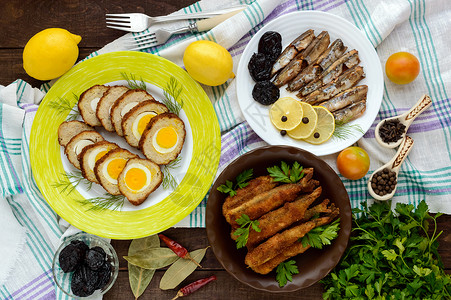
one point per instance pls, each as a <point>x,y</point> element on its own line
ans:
<point>291,26</point>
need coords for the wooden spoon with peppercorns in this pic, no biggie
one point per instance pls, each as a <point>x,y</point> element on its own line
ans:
<point>383,182</point>
<point>390,132</point>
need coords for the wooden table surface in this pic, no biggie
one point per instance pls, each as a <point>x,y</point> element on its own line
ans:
<point>21,19</point>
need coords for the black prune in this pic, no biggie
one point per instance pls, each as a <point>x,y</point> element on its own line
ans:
<point>103,274</point>
<point>72,256</point>
<point>100,250</point>
<point>94,259</point>
<point>84,281</point>
<point>270,44</point>
<point>260,67</point>
<point>265,92</point>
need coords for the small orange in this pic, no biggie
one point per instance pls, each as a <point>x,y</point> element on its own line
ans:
<point>353,163</point>
<point>402,67</point>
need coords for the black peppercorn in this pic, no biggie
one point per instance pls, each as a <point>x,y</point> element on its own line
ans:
<point>283,132</point>
<point>316,135</point>
<point>305,120</point>
<point>284,118</point>
<point>383,182</point>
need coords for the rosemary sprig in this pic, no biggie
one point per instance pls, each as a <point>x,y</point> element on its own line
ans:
<point>133,83</point>
<point>169,180</point>
<point>113,202</point>
<point>346,130</point>
<point>172,93</point>
<point>71,181</point>
<point>63,105</point>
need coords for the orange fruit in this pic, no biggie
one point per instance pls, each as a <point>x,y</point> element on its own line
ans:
<point>402,67</point>
<point>353,163</point>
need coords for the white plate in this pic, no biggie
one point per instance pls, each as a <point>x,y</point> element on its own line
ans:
<point>290,26</point>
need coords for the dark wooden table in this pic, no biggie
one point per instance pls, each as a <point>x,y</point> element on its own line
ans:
<point>20,19</point>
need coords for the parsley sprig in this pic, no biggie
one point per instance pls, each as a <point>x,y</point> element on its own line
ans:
<point>242,233</point>
<point>285,271</point>
<point>241,181</point>
<point>393,255</point>
<point>322,235</point>
<point>286,174</point>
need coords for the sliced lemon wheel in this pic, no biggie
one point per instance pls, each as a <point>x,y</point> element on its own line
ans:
<point>325,126</point>
<point>286,113</point>
<point>307,125</point>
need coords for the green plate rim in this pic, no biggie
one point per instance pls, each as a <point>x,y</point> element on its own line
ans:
<point>47,166</point>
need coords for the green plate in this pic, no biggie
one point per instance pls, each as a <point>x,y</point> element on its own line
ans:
<point>164,207</point>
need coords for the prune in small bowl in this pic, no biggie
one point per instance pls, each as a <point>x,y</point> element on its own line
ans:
<point>85,265</point>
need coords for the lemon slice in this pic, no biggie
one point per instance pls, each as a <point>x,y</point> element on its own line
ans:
<point>286,113</point>
<point>307,125</point>
<point>325,126</point>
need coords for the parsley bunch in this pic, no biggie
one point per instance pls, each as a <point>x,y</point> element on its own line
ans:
<point>285,271</point>
<point>391,257</point>
<point>286,174</point>
<point>242,233</point>
<point>241,181</point>
<point>322,235</point>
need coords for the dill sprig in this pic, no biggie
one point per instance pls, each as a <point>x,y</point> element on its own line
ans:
<point>169,180</point>
<point>133,83</point>
<point>112,202</point>
<point>346,130</point>
<point>172,93</point>
<point>63,105</point>
<point>71,181</point>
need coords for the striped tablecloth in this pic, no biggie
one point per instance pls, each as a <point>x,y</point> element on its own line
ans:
<point>416,26</point>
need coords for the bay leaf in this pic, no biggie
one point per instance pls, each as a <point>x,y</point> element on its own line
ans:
<point>181,269</point>
<point>138,277</point>
<point>152,258</point>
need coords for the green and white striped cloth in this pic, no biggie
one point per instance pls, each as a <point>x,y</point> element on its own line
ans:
<point>416,26</point>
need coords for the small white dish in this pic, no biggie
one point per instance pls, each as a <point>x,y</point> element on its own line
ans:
<point>406,119</point>
<point>393,165</point>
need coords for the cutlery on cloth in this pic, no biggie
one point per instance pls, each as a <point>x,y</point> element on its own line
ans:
<point>393,166</point>
<point>137,22</point>
<point>160,36</point>
<point>406,119</point>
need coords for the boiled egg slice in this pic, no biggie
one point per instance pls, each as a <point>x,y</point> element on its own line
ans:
<point>165,139</point>
<point>137,177</point>
<point>112,168</point>
<point>140,123</point>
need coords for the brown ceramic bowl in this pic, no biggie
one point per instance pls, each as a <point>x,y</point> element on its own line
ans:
<point>314,264</point>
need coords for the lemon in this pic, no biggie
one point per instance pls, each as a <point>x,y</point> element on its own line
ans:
<point>208,62</point>
<point>50,53</point>
<point>307,125</point>
<point>325,126</point>
<point>286,113</point>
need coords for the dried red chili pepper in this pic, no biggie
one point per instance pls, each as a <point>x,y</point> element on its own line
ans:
<point>178,249</point>
<point>194,286</point>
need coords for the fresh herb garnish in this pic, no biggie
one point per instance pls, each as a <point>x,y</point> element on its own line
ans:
<point>391,256</point>
<point>285,174</point>
<point>322,235</point>
<point>63,105</point>
<point>242,233</point>
<point>241,182</point>
<point>71,181</point>
<point>285,271</point>
<point>113,202</point>
<point>134,83</point>
<point>172,93</point>
<point>169,180</point>
<point>345,130</point>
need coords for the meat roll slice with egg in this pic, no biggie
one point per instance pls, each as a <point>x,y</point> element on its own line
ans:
<point>124,104</point>
<point>136,120</point>
<point>90,155</point>
<point>139,178</point>
<point>106,102</point>
<point>69,129</point>
<point>78,143</point>
<point>163,139</point>
<point>87,104</point>
<point>108,168</point>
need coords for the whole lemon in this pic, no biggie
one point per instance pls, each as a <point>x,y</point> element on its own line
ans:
<point>208,62</point>
<point>50,53</point>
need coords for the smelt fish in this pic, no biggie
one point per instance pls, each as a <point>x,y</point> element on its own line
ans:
<point>335,50</point>
<point>313,51</point>
<point>345,98</point>
<point>350,112</point>
<point>299,44</point>
<point>290,71</point>
<point>307,75</point>
<point>345,81</point>
<point>347,61</point>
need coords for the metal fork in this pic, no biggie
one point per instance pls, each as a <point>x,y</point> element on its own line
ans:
<point>160,36</point>
<point>137,22</point>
